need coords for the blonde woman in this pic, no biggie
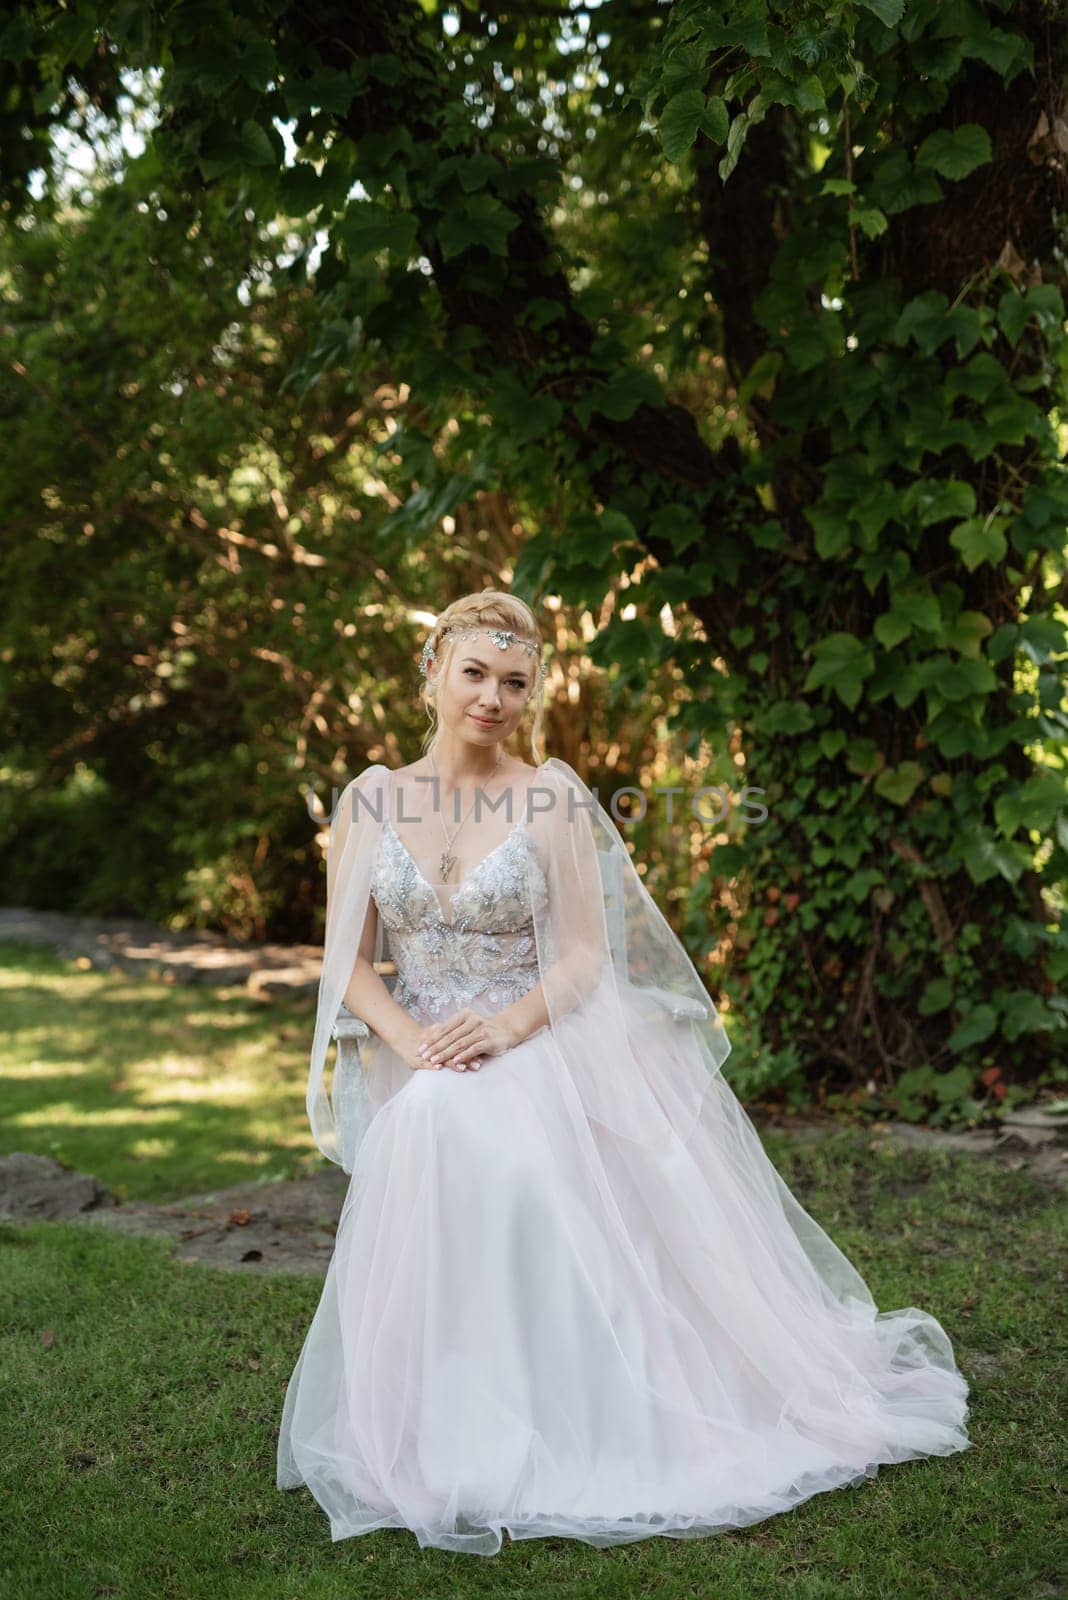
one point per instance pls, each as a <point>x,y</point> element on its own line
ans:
<point>570,1294</point>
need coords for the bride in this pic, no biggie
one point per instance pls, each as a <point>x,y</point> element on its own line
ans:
<point>570,1294</point>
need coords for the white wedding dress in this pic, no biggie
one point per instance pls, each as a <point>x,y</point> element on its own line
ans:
<point>531,1324</point>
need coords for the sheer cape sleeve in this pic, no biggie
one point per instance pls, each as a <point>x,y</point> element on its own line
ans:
<point>339,1116</point>
<point>634,1027</point>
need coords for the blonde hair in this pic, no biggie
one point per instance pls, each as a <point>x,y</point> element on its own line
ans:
<point>489,608</point>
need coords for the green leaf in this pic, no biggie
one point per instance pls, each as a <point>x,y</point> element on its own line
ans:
<point>864,757</point>
<point>678,524</point>
<point>895,187</point>
<point>980,539</point>
<point>891,628</point>
<point>967,631</point>
<point>937,996</point>
<point>938,499</point>
<point>679,122</point>
<point>889,12</point>
<point>258,64</point>
<point>526,417</point>
<point>226,157</point>
<point>326,89</point>
<point>716,119</point>
<point>257,146</point>
<point>786,717</point>
<point>983,857</point>
<point>300,189</point>
<point>1041,301</point>
<point>928,321</point>
<point>1042,639</point>
<point>842,662</point>
<point>808,94</point>
<point>1033,805</point>
<point>960,680</point>
<point>212,78</point>
<point>978,378</point>
<point>618,525</point>
<point>728,859</point>
<point>480,220</point>
<point>953,1085</point>
<point>919,609</point>
<point>871,221</point>
<point>749,32</point>
<point>956,152</point>
<point>978,1025</point>
<point>621,396</point>
<point>831,528</point>
<point>368,227</point>
<point>1005,53</point>
<point>735,141</point>
<point>899,783</point>
<point>1023,1011</point>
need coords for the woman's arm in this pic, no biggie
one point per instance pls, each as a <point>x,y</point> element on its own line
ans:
<point>524,1016</point>
<point>368,998</point>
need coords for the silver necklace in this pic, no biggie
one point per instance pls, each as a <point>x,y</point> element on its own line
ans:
<point>448,860</point>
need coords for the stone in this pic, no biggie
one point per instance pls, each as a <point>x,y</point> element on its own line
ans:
<point>33,1186</point>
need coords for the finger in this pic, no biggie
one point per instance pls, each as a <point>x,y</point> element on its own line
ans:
<point>459,1059</point>
<point>466,1051</point>
<point>453,1042</point>
<point>463,1065</point>
<point>442,1033</point>
<point>431,1047</point>
<point>470,1051</point>
<point>466,1014</point>
<point>458,1063</point>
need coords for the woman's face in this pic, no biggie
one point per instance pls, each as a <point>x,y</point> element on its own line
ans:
<point>485,690</point>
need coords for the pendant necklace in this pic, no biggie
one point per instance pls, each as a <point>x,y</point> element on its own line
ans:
<point>448,860</point>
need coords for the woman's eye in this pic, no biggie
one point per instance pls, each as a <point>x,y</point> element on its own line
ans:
<point>513,683</point>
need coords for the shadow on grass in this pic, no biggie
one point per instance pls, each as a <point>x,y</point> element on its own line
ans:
<point>158,1089</point>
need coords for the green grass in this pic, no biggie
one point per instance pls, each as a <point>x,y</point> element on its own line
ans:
<point>139,1445</point>
<point>158,1089</point>
<point>141,1397</point>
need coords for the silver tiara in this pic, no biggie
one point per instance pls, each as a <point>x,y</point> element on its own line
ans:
<point>503,638</point>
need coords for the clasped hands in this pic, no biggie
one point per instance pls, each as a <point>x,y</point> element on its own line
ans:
<point>463,1040</point>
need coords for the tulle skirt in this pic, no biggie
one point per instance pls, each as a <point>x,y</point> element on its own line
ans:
<point>533,1324</point>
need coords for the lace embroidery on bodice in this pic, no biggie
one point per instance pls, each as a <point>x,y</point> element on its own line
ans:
<point>483,947</point>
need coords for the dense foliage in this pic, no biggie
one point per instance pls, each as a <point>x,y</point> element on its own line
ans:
<point>731,336</point>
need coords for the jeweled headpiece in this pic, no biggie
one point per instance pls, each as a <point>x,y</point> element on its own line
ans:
<point>503,638</point>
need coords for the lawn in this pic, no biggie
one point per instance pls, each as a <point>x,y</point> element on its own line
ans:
<point>160,1089</point>
<point>141,1397</point>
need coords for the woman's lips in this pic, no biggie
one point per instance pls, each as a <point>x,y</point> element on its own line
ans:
<point>487,722</point>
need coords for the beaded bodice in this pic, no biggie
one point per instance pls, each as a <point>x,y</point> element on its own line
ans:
<point>479,943</point>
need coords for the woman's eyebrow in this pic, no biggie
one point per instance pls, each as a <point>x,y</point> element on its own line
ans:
<point>517,672</point>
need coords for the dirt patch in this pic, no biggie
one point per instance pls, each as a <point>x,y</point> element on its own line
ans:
<point>146,950</point>
<point>1032,1139</point>
<point>275,1227</point>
